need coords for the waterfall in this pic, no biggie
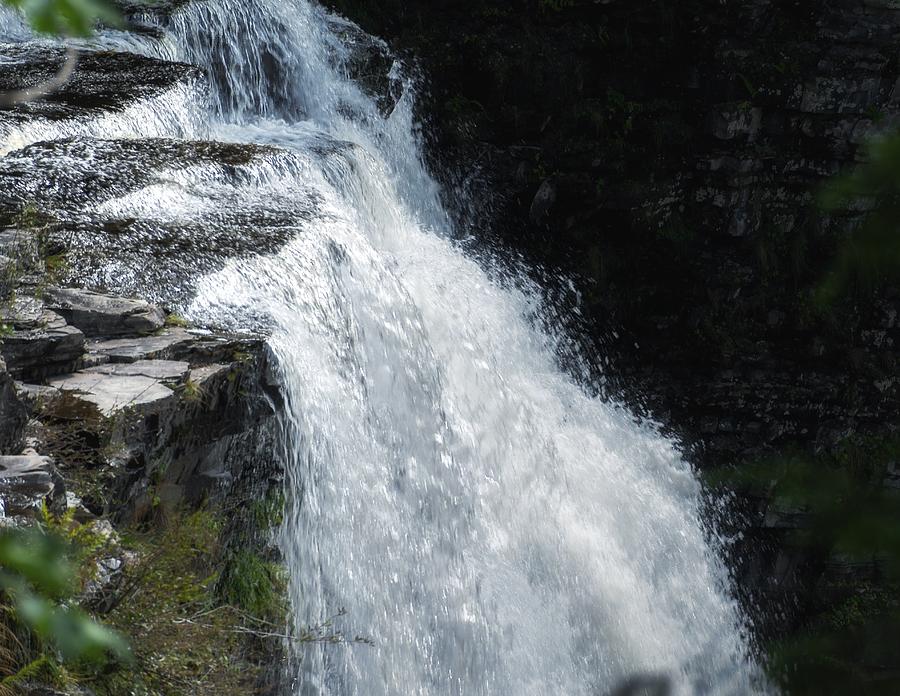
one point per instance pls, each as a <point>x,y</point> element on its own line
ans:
<point>490,525</point>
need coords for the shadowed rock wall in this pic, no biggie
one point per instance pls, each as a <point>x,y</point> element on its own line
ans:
<point>670,155</point>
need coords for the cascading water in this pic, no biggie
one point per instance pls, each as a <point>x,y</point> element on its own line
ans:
<point>488,524</point>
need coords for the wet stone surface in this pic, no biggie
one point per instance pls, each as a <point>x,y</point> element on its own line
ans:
<point>102,81</point>
<point>25,482</point>
<point>98,200</point>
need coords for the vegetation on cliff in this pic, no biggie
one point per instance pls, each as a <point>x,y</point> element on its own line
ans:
<point>179,620</point>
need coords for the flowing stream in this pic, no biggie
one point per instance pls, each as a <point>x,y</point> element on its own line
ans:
<point>485,521</point>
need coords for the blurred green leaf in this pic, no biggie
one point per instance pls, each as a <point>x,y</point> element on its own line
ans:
<point>66,17</point>
<point>36,574</point>
<point>39,559</point>
<point>871,254</point>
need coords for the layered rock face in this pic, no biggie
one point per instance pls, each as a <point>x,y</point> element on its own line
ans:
<point>136,413</point>
<point>169,419</point>
<point>671,157</point>
<point>113,410</point>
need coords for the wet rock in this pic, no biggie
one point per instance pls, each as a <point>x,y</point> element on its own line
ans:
<point>542,202</point>
<point>786,517</point>
<point>125,249</point>
<point>97,314</point>
<point>841,95</point>
<point>25,482</point>
<point>41,342</point>
<point>732,122</point>
<point>103,81</point>
<point>19,251</point>
<point>147,17</point>
<point>369,63</point>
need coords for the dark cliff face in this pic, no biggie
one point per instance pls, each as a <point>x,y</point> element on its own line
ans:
<point>670,155</point>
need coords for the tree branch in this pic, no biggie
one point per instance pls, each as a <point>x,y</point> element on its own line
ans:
<point>29,94</point>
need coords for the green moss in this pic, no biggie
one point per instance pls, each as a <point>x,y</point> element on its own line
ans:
<point>187,638</point>
<point>176,321</point>
<point>32,217</point>
<point>253,585</point>
<point>850,519</point>
<point>268,513</point>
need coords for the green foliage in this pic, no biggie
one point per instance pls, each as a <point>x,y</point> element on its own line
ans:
<point>871,255</point>
<point>187,638</point>
<point>252,584</point>
<point>177,320</point>
<point>853,658</point>
<point>66,17</point>
<point>846,515</point>
<point>192,391</point>
<point>38,576</point>
<point>848,509</point>
<point>268,513</point>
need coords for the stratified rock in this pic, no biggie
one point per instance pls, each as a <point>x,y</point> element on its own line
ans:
<point>103,82</point>
<point>41,342</point>
<point>113,393</point>
<point>102,196</point>
<point>12,413</point>
<point>25,482</point>
<point>174,371</point>
<point>33,396</point>
<point>129,350</point>
<point>97,314</point>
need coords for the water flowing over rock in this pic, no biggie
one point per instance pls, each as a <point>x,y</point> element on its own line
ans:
<point>100,201</point>
<point>105,95</point>
<point>488,522</point>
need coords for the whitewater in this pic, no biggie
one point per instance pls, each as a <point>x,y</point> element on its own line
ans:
<point>482,518</point>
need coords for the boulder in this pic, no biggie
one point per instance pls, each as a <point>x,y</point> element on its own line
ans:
<point>41,343</point>
<point>25,482</point>
<point>97,314</point>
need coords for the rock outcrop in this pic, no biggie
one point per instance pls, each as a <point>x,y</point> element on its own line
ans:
<point>96,314</point>
<point>178,413</point>
<point>26,482</point>
<point>39,341</point>
<point>12,413</point>
<point>114,414</point>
